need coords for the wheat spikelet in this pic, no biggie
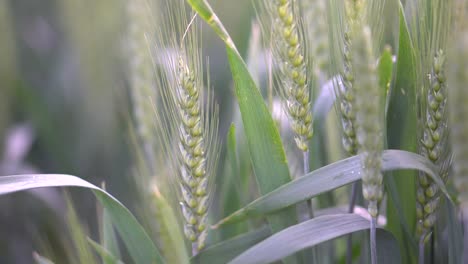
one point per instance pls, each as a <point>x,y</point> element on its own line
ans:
<point>192,118</point>
<point>369,118</point>
<point>288,47</point>
<point>346,92</point>
<point>434,145</point>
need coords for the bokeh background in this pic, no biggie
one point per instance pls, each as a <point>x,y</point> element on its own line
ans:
<point>65,107</point>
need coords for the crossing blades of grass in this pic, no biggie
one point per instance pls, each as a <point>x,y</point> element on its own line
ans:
<point>139,245</point>
<point>329,178</point>
<point>311,233</point>
<point>227,250</point>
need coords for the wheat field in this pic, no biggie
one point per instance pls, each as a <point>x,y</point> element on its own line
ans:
<point>260,131</point>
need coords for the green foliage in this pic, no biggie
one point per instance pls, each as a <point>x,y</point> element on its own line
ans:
<point>399,115</point>
<point>402,134</point>
<point>139,245</point>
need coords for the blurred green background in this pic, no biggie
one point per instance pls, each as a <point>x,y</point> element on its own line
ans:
<point>64,108</point>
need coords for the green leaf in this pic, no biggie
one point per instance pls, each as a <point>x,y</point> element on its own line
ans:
<point>329,178</point>
<point>265,146</point>
<point>109,241</point>
<point>308,234</point>
<point>139,245</point>
<point>385,70</point>
<point>402,134</point>
<point>225,251</point>
<point>230,189</point>
<point>173,239</point>
<point>40,259</point>
<point>107,257</point>
<point>78,235</point>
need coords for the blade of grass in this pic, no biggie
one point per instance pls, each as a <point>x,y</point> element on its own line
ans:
<point>139,245</point>
<point>231,193</point>
<point>106,256</point>
<point>78,235</point>
<point>109,240</point>
<point>402,134</point>
<point>308,234</point>
<point>107,233</point>
<point>227,250</point>
<point>329,178</point>
<point>170,233</point>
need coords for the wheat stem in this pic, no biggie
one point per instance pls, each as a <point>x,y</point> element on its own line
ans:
<point>310,208</point>
<point>373,239</point>
<point>421,249</point>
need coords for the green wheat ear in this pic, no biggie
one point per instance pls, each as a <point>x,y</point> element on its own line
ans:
<point>280,17</point>
<point>369,117</point>
<point>142,84</point>
<point>429,31</point>
<point>434,145</point>
<point>190,137</point>
<point>346,92</point>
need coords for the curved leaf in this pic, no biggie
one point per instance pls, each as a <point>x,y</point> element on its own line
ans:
<point>308,234</point>
<point>227,250</point>
<point>139,245</point>
<point>41,260</point>
<point>329,178</point>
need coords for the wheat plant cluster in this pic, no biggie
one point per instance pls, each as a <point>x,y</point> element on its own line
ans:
<point>346,140</point>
